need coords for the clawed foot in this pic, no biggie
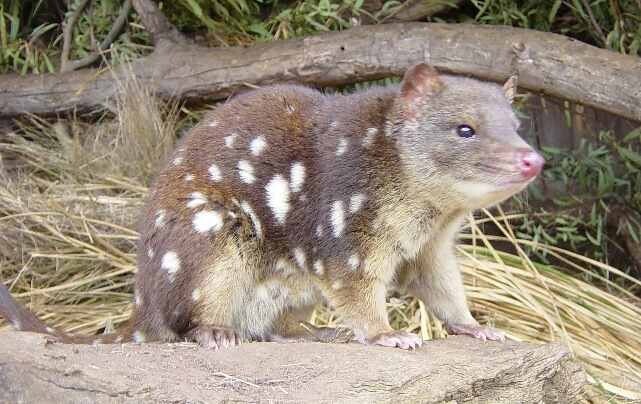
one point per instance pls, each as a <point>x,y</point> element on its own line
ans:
<point>328,334</point>
<point>397,339</point>
<point>476,331</point>
<point>316,334</point>
<point>214,337</point>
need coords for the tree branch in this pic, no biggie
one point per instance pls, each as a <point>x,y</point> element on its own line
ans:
<point>415,10</point>
<point>545,62</point>
<point>67,33</point>
<point>116,29</point>
<point>157,24</point>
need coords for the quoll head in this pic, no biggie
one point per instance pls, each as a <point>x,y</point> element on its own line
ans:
<point>459,135</point>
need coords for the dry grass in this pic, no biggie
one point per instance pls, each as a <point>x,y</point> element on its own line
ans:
<point>70,193</point>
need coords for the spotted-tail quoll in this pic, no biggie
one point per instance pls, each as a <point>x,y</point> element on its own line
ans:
<point>285,197</point>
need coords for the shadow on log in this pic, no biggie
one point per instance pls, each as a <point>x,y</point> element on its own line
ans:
<point>34,370</point>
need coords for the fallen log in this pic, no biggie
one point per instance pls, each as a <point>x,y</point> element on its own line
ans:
<point>547,63</point>
<point>457,369</point>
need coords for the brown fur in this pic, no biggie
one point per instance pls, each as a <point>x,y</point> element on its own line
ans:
<point>386,185</point>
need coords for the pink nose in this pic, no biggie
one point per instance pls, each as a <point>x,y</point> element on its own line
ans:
<point>530,163</point>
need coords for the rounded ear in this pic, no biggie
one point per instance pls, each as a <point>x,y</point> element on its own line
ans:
<point>419,81</point>
<point>510,87</point>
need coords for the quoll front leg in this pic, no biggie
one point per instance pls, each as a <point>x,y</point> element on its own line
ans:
<point>362,304</point>
<point>439,285</point>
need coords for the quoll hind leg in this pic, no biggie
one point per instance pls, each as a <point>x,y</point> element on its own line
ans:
<point>219,318</point>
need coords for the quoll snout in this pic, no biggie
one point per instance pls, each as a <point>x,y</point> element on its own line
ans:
<point>530,163</point>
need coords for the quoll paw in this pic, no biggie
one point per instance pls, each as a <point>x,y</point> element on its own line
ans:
<point>397,339</point>
<point>214,337</point>
<point>476,331</point>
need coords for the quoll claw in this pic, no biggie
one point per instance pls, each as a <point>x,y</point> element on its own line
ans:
<point>397,339</point>
<point>476,331</point>
<point>214,337</point>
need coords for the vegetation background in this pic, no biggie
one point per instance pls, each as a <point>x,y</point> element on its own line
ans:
<point>548,266</point>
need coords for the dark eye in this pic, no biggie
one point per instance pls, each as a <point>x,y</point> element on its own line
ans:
<point>465,131</point>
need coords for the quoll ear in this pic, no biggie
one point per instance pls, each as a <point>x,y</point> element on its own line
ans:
<point>419,81</point>
<point>509,88</point>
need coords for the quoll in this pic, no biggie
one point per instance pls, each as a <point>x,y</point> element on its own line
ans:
<point>285,197</point>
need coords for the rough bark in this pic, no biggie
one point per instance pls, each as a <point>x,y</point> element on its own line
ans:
<point>459,369</point>
<point>546,62</point>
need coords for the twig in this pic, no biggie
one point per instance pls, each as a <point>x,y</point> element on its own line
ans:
<point>67,33</point>
<point>596,25</point>
<point>117,27</point>
<point>157,24</point>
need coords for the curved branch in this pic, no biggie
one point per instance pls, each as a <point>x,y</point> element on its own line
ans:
<point>67,34</point>
<point>115,31</point>
<point>545,62</point>
<point>157,24</point>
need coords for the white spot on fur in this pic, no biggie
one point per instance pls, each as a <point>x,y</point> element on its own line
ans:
<point>213,124</point>
<point>278,197</point>
<point>196,199</point>
<point>160,218</point>
<point>150,252</point>
<point>230,140</point>
<point>195,295</point>
<point>281,264</point>
<point>207,220</point>
<point>170,263</point>
<point>118,340</point>
<point>139,337</point>
<point>284,267</point>
<point>319,231</point>
<point>189,177</point>
<point>354,261</point>
<point>137,299</point>
<point>302,198</point>
<point>16,324</point>
<point>319,268</point>
<point>50,330</point>
<point>356,202</point>
<point>246,207</point>
<point>299,255</point>
<point>257,145</point>
<point>297,176</point>
<point>246,172</point>
<point>368,140</point>
<point>231,214</point>
<point>214,173</point>
<point>338,218</point>
<point>337,284</point>
<point>178,160</point>
<point>342,146</point>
